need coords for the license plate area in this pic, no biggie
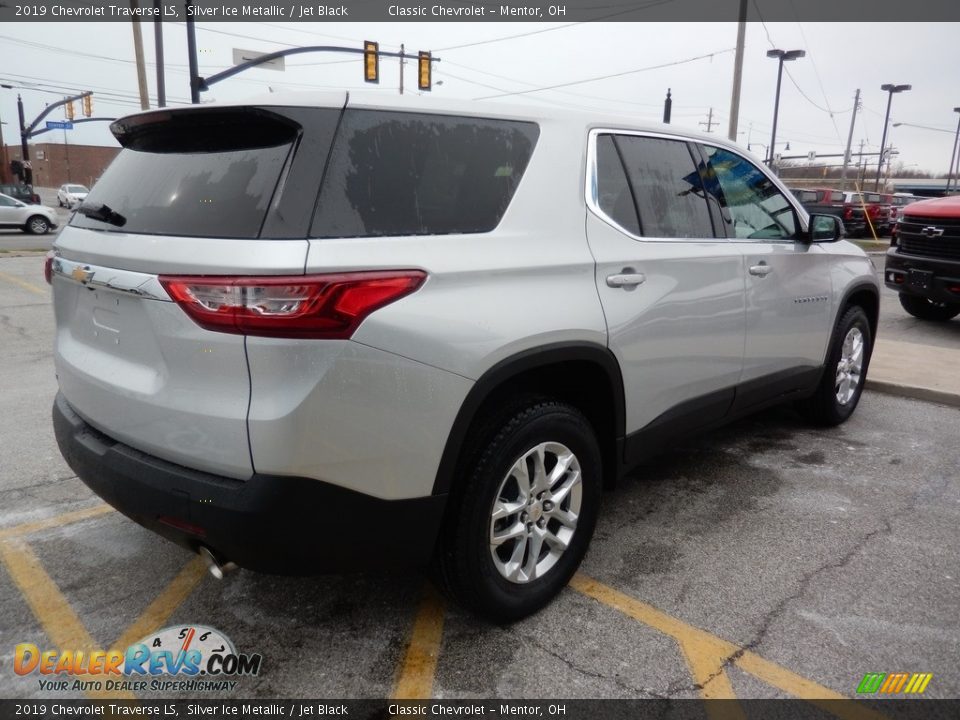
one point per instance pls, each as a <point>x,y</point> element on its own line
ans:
<point>920,279</point>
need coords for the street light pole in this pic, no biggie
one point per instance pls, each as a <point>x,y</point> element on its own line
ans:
<point>953,155</point>
<point>890,89</point>
<point>782,57</point>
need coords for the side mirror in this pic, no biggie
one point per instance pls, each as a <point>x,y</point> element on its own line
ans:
<point>824,228</point>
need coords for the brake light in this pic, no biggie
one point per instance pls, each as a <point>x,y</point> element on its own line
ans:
<point>847,212</point>
<point>48,268</point>
<point>300,306</point>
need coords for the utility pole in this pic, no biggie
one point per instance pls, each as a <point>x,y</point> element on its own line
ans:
<point>667,108</point>
<point>158,52</point>
<point>846,155</point>
<point>192,55</point>
<point>26,175</point>
<point>138,54</point>
<point>710,123</point>
<point>4,165</point>
<point>861,168</point>
<point>737,73</point>
<point>66,154</point>
<point>401,67</point>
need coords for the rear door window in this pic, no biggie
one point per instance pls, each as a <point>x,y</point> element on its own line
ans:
<point>395,173</point>
<point>667,187</point>
<point>198,174</point>
<point>613,189</point>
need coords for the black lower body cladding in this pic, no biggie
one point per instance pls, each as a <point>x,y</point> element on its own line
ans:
<point>274,524</point>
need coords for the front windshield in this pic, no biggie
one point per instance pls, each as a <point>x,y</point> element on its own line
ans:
<point>76,189</point>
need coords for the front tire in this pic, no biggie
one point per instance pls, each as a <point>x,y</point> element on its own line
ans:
<point>37,225</point>
<point>519,525</point>
<point>844,373</point>
<point>925,309</point>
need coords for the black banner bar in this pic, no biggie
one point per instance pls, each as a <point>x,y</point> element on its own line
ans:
<point>560,11</point>
<point>913,709</point>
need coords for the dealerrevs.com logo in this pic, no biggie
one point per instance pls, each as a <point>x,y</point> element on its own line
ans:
<point>192,658</point>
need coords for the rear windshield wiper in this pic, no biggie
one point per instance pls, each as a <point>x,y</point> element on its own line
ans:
<point>101,212</point>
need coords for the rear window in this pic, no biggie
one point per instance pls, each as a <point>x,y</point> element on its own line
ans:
<point>205,173</point>
<point>394,173</point>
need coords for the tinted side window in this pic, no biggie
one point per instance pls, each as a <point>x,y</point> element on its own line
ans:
<point>666,186</point>
<point>613,190</point>
<point>753,206</point>
<point>393,173</point>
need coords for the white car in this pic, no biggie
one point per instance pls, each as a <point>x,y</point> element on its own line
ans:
<point>35,219</point>
<point>69,195</point>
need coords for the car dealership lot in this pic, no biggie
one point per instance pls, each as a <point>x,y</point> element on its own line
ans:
<point>764,560</point>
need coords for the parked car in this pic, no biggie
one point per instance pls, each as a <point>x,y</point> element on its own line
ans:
<point>923,262</point>
<point>35,219</point>
<point>22,192</point>
<point>877,208</point>
<point>71,194</point>
<point>830,201</point>
<point>399,330</point>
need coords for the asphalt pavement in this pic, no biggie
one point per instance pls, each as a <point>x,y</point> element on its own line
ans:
<point>767,559</point>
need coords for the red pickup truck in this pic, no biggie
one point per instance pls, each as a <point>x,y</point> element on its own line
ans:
<point>830,201</point>
<point>923,262</point>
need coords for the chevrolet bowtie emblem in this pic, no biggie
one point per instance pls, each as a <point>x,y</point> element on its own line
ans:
<point>930,231</point>
<point>81,275</point>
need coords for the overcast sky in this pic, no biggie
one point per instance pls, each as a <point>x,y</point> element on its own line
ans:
<point>840,58</point>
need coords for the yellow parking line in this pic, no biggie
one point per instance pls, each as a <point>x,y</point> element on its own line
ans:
<point>415,680</point>
<point>706,662</point>
<point>56,521</point>
<point>801,687</point>
<point>23,283</point>
<point>50,607</point>
<point>160,610</point>
<point>705,652</point>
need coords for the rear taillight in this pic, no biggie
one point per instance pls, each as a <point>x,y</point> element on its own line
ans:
<point>847,212</point>
<point>301,306</point>
<point>48,268</point>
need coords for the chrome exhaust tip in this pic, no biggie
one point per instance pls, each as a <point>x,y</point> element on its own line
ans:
<point>214,566</point>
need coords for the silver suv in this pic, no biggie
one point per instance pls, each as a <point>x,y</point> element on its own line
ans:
<point>320,333</point>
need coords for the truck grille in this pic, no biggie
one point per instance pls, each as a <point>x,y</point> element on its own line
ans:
<point>914,242</point>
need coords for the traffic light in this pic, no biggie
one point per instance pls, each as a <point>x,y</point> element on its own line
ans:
<point>88,105</point>
<point>424,78</point>
<point>371,61</point>
<point>68,108</point>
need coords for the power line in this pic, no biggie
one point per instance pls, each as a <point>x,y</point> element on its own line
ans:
<point>564,92</point>
<point>611,75</point>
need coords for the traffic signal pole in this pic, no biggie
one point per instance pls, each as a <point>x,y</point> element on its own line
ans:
<point>204,83</point>
<point>24,151</point>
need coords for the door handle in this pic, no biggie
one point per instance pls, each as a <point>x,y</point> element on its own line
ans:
<point>627,279</point>
<point>761,270</point>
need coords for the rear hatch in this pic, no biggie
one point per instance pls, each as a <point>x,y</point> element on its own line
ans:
<point>194,192</point>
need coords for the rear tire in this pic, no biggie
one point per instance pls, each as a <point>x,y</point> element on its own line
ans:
<point>519,524</point>
<point>925,309</point>
<point>844,372</point>
<point>37,225</point>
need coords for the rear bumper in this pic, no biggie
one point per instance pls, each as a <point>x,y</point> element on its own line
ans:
<point>946,274</point>
<point>286,525</point>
